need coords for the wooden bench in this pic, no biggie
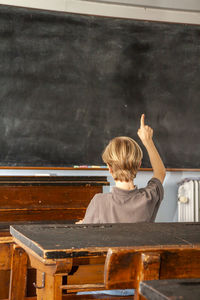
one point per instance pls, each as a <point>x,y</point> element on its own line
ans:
<point>126,268</point>
<point>40,199</point>
<point>175,289</point>
<point>147,251</point>
<point>47,198</point>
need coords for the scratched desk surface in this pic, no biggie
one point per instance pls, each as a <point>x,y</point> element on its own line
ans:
<point>64,240</point>
<point>176,289</point>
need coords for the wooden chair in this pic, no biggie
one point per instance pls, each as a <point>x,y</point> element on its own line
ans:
<point>126,268</point>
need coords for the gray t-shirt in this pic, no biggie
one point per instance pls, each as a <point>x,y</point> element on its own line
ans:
<point>126,206</point>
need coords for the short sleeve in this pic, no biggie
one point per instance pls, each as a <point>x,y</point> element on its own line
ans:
<point>154,194</point>
<point>92,214</point>
<point>155,187</point>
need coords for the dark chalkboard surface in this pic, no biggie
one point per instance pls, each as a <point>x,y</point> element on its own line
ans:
<point>69,83</point>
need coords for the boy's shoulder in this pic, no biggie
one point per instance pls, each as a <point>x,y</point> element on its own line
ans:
<point>102,196</point>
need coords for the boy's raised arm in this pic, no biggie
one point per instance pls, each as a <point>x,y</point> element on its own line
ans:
<point>145,133</point>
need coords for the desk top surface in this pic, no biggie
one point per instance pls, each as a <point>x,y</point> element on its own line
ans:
<point>183,289</point>
<point>64,240</point>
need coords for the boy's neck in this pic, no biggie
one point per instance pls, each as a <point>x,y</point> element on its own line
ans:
<point>125,185</point>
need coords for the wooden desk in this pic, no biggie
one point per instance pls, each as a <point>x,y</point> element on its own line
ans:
<point>60,250</point>
<point>40,199</point>
<point>176,289</point>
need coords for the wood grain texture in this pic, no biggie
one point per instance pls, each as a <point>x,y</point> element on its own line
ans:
<point>127,268</point>
<point>40,198</point>
<point>18,276</point>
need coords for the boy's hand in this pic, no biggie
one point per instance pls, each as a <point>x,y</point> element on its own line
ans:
<point>145,132</point>
<point>79,222</point>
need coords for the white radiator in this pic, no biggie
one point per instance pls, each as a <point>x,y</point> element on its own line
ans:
<point>189,201</point>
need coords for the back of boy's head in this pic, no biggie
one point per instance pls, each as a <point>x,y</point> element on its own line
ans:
<point>124,157</point>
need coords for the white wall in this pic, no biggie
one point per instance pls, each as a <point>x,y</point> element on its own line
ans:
<point>187,5</point>
<point>183,11</point>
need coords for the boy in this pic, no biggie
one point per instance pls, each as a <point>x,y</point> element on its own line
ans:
<point>126,203</point>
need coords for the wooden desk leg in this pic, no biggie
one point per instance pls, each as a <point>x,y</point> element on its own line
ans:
<point>148,269</point>
<point>52,286</point>
<point>18,274</point>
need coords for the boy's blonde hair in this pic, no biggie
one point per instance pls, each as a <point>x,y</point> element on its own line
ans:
<point>124,156</point>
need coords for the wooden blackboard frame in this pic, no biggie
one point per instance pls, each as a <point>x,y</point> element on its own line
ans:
<point>92,169</point>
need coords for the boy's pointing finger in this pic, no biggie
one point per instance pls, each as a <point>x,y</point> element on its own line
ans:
<point>142,121</point>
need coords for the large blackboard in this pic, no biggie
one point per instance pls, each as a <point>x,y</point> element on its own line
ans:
<point>69,83</point>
